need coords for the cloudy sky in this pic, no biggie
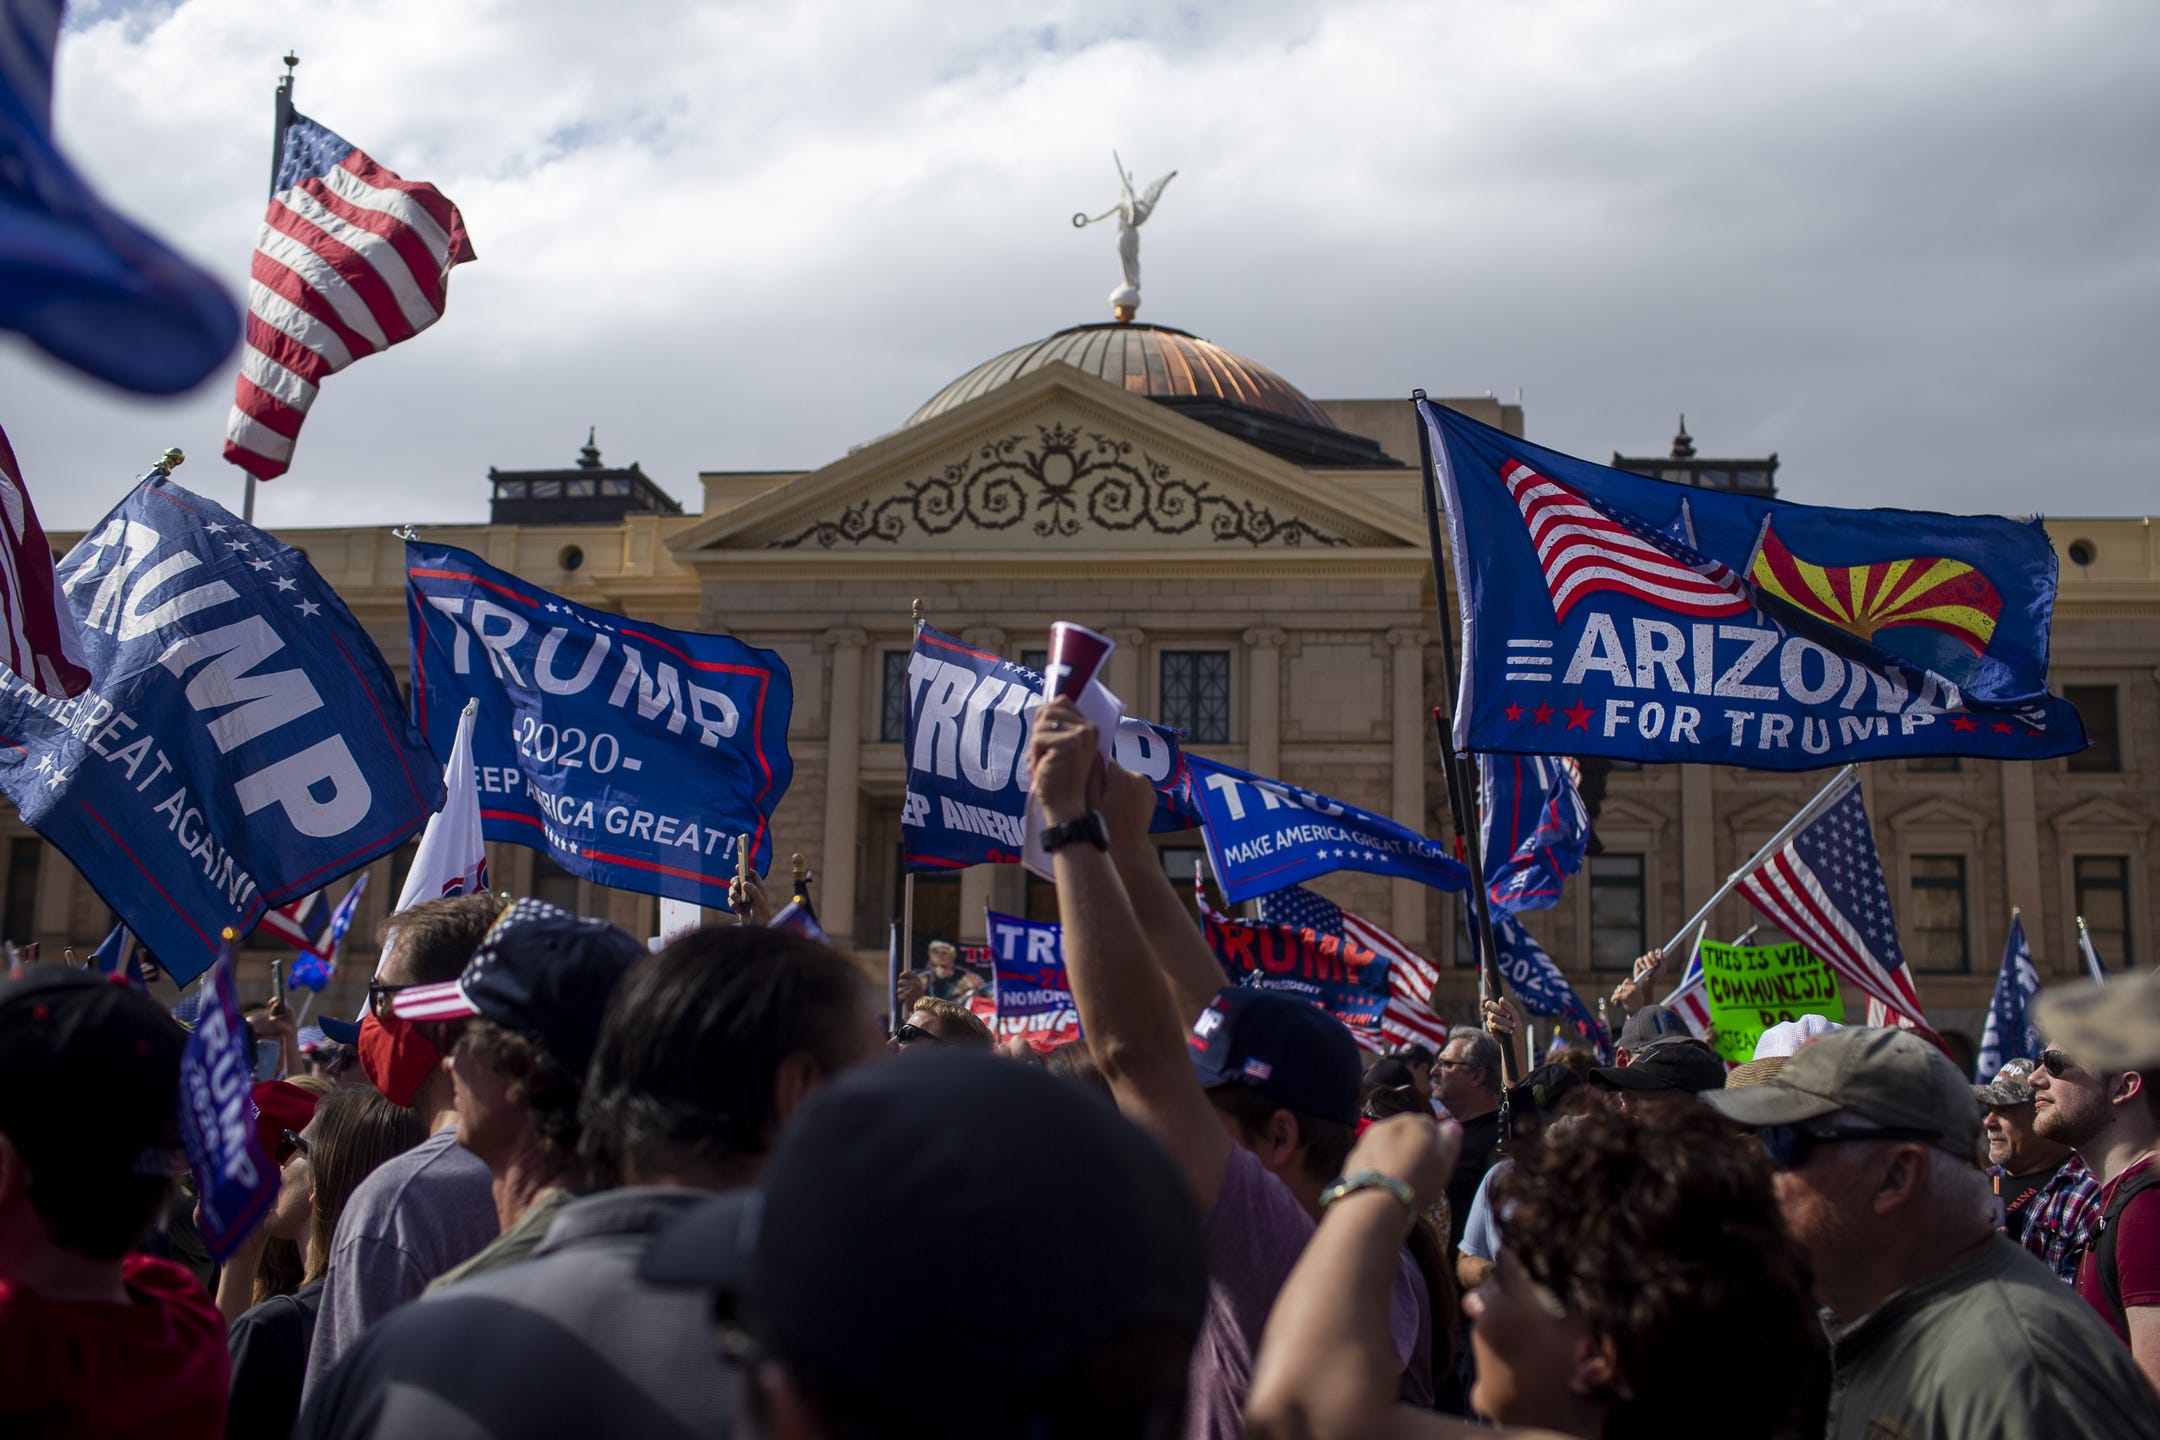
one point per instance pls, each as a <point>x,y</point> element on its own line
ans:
<point>1912,247</point>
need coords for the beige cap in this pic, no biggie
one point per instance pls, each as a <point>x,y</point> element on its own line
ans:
<point>1892,1077</point>
<point>2112,1027</point>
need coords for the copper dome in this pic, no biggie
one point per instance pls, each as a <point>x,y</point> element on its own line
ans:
<point>1151,360</point>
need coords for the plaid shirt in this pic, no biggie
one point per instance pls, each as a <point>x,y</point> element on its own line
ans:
<point>2064,1217</point>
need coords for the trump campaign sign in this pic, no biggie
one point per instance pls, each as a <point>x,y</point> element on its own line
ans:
<point>631,754</point>
<point>1606,613</point>
<point>241,742</point>
<point>969,714</point>
<point>1263,835</point>
<point>1034,997</point>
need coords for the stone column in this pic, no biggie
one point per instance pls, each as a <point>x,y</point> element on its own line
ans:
<point>1263,705</point>
<point>2021,848</point>
<point>1121,672</point>
<point>843,771</point>
<point>1698,841</point>
<point>1411,733</point>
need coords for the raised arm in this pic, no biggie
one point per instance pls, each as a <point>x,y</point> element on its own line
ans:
<point>1327,1365</point>
<point>1166,918</point>
<point>1126,1012</point>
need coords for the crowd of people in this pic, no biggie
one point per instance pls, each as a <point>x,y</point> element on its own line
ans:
<point>557,1185</point>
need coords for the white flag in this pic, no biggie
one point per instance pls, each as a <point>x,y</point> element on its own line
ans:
<point>452,858</point>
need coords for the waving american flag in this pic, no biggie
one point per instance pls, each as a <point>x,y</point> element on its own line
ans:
<point>39,639</point>
<point>1584,548</point>
<point>352,259</point>
<point>1408,1017</point>
<point>1825,888</point>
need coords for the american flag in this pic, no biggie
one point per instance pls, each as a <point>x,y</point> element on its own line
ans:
<point>318,961</point>
<point>351,260</point>
<point>1585,548</point>
<point>39,639</point>
<point>1825,888</point>
<point>301,923</point>
<point>1411,977</point>
<point>1690,999</point>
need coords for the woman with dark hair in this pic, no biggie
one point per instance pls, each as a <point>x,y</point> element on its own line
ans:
<point>353,1131</point>
<point>1645,1274</point>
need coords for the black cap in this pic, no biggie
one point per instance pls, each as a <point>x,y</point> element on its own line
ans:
<point>1545,1087</point>
<point>1282,1046</point>
<point>810,1264</point>
<point>1684,1065</point>
<point>1389,1072</point>
<point>1649,1025</point>
<point>540,971</point>
<point>89,1073</point>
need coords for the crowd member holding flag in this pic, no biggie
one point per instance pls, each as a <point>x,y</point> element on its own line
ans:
<point>434,1206</point>
<point>2050,1201</point>
<point>1255,1093</point>
<point>96,1338</point>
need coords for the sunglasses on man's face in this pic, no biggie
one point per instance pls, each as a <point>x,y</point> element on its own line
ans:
<point>1790,1145</point>
<point>911,1033</point>
<point>2055,1062</point>
<point>290,1145</point>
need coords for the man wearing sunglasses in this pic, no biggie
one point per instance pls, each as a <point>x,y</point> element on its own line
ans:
<point>2112,1118</point>
<point>1943,1327</point>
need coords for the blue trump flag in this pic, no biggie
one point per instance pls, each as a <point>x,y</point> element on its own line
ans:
<point>1535,829</point>
<point>1301,948</point>
<point>235,1182</point>
<point>1605,613</point>
<point>1263,835</point>
<point>83,284</point>
<point>631,754</point>
<point>968,717</point>
<point>2010,1033</point>
<point>241,743</point>
<point>1538,983</point>
<point>1034,997</point>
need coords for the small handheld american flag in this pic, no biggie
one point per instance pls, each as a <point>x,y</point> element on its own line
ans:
<point>352,259</point>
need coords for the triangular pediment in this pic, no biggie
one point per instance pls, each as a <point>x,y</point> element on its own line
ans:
<point>2100,813</point>
<point>1937,813</point>
<point>1056,462</point>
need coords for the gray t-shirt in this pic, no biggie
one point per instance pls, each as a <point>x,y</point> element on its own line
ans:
<point>1256,1231</point>
<point>1481,1232</point>
<point>1993,1346</point>
<point>418,1215</point>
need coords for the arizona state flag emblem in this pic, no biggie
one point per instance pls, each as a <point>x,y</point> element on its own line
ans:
<point>1946,595</point>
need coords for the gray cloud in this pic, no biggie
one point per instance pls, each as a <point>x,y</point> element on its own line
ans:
<point>1908,246</point>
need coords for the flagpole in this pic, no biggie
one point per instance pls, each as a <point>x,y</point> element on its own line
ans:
<point>907,882</point>
<point>1462,806</point>
<point>1807,812</point>
<point>283,122</point>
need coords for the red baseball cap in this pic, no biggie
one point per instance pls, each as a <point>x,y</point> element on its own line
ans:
<point>280,1107</point>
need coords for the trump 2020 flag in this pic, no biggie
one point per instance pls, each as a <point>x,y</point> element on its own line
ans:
<point>631,754</point>
<point>1605,613</point>
<point>1301,947</point>
<point>1034,997</point>
<point>242,742</point>
<point>1264,835</point>
<point>969,714</point>
<point>235,1182</point>
<point>1536,829</point>
<point>2010,1033</point>
<point>86,286</point>
<point>1538,983</point>
<point>352,259</point>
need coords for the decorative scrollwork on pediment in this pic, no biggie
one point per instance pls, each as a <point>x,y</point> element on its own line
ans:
<point>1059,484</point>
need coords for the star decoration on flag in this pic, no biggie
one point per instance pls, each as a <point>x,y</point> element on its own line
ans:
<point>286,582</point>
<point>1579,717</point>
<point>238,547</point>
<point>1962,723</point>
<point>308,608</point>
<point>1543,714</point>
<point>258,564</point>
<point>1514,713</point>
<point>213,528</point>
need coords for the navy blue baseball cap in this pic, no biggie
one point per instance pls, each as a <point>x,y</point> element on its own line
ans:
<point>540,971</point>
<point>1280,1045</point>
<point>344,1032</point>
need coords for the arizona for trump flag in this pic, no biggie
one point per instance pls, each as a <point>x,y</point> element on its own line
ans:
<point>1606,613</point>
<point>352,259</point>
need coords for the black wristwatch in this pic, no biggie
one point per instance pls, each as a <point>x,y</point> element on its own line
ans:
<point>1088,827</point>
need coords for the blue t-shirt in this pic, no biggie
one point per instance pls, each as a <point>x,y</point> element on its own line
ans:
<point>1481,1232</point>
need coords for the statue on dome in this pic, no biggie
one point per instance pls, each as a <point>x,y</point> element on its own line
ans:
<point>1131,214</point>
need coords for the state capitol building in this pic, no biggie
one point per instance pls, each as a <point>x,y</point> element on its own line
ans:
<point>1261,559</point>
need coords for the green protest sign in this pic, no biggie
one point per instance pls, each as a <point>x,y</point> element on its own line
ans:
<point>1752,987</point>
